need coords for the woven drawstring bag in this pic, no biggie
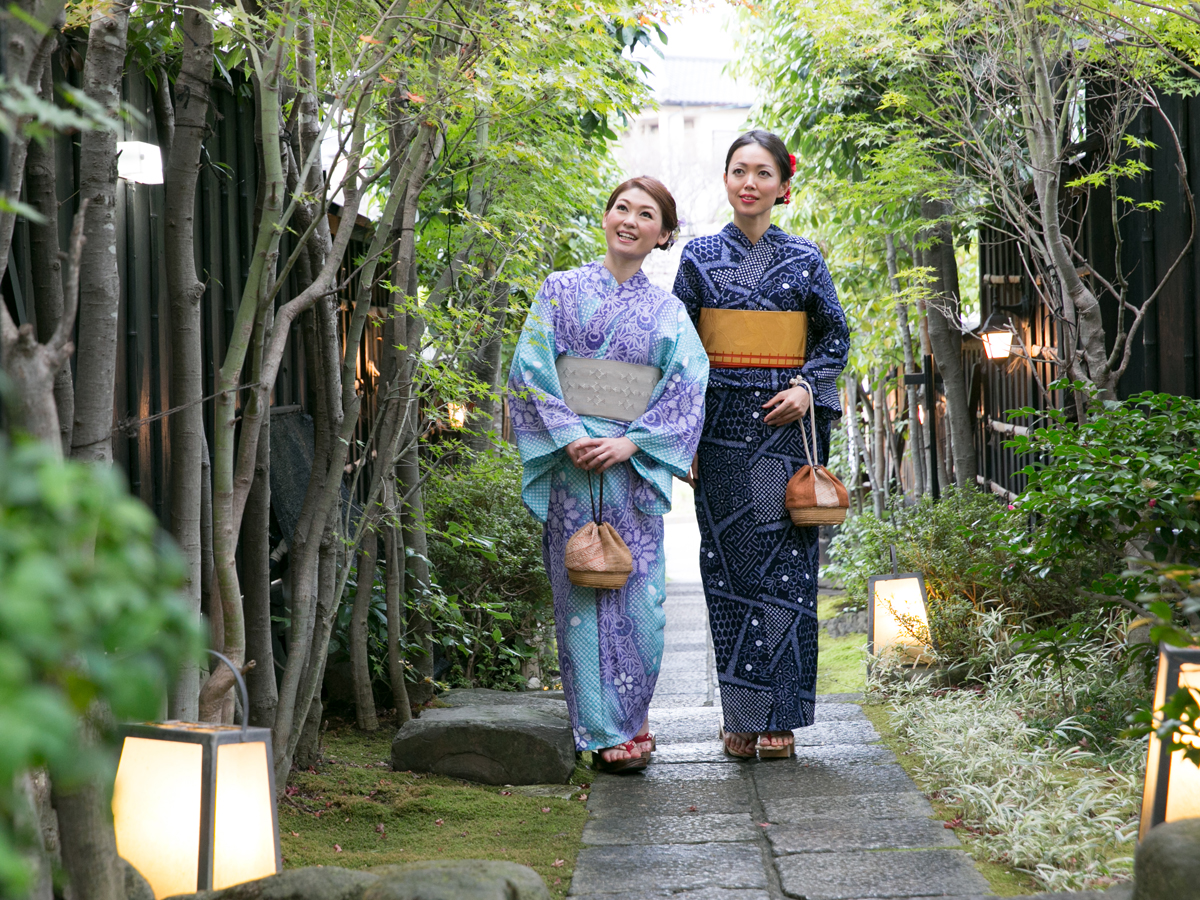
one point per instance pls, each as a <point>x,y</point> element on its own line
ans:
<point>815,496</point>
<point>596,557</point>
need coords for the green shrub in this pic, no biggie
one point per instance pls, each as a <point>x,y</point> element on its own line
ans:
<point>493,609</point>
<point>974,554</point>
<point>89,621</point>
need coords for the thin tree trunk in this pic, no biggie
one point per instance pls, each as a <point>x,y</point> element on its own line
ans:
<point>484,366</point>
<point>89,846</point>
<point>41,188</point>
<point>394,596</point>
<point>100,295</point>
<point>186,125</point>
<point>879,433</point>
<point>256,569</point>
<point>364,697</point>
<point>915,434</point>
<point>852,433</point>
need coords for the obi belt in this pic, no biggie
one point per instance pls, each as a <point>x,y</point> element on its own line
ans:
<point>752,338</point>
<point>606,388</point>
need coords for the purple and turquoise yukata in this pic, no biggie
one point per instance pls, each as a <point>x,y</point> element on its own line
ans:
<point>610,642</point>
<point>760,570</point>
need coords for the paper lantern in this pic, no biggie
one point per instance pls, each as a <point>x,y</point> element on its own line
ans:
<point>898,618</point>
<point>1172,789</point>
<point>194,804</point>
<point>140,162</point>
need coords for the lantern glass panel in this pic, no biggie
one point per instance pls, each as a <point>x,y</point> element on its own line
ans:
<point>244,840</point>
<point>997,344</point>
<point>1183,795</point>
<point>1172,789</point>
<point>899,621</point>
<point>140,162</point>
<point>156,812</point>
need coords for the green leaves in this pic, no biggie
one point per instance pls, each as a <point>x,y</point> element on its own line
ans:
<point>91,628</point>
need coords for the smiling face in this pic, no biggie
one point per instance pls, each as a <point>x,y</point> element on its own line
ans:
<point>752,180</point>
<point>634,225</point>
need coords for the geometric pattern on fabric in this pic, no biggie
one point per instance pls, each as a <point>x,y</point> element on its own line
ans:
<point>759,570</point>
<point>779,272</point>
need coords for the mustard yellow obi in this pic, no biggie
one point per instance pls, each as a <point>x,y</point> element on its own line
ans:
<point>753,338</point>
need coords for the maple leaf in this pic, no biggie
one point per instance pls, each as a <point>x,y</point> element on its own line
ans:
<point>367,39</point>
<point>337,848</point>
<point>295,834</point>
<point>545,809</point>
<point>439,823</point>
<point>558,863</point>
<point>414,98</point>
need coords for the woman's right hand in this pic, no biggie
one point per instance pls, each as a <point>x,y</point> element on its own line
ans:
<point>576,450</point>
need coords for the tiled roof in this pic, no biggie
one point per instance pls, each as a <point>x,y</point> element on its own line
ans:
<point>696,81</point>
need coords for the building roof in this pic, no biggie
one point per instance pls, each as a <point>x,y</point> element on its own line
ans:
<point>698,81</point>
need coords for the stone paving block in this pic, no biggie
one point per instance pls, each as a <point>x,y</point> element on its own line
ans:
<point>690,772</point>
<point>689,752</point>
<point>781,779</point>
<point>639,797</point>
<point>693,662</point>
<point>828,835</point>
<point>701,894</point>
<point>861,875</point>
<point>675,867</point>
<point>798,810</point>
<point>698,723</point>
<point>694,828</point>
<point>680,683</point>
<point>676,701</point>
<point>828,711</point>
<point>836,733</point>
<point>844,753</point>
<point>688,645</point>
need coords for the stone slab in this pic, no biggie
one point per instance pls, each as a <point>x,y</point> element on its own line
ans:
<point>689,752</point>
<point>828,835</point>
<point>695,828</point>
<point>680,683</point>
<point>836,733</point>
<point>701,894</point>
<point>549,701</point>
<point>676,644</point>
<point>640,798</point>
<point>844,753</point>
<point>833,711</point>
<point>863,875</point>
<point>694,772</point>
<point>781,779</point>
<point>692,661</point>
<point>676,701</point>
<point>491,744</point>
<point>675,867</point>
<point>798,810</point>
<point>685,725</point>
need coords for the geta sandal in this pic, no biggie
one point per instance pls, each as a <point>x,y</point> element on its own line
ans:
<point>645,738</point>
<point>766,751</point>
<point>635,761</point>
<point>729,752</point>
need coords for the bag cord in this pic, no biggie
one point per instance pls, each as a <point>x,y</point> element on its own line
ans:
<point>812,417</point>
<point>596,518</point>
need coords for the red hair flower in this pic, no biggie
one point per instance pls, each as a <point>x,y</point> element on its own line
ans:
<point>787,198</point>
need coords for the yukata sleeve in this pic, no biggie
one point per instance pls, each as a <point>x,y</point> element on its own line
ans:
<point>828,344</point>
<point>688,287</point>
<point>668,432</point>
<point>542,423</point>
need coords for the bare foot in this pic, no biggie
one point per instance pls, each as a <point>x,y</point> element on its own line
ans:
<point>618,753</point>
<point>739,743</point>
<point>776,740</point>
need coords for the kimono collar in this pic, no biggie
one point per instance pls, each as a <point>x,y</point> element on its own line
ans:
<point>735,234</point>
<point>638,281</point>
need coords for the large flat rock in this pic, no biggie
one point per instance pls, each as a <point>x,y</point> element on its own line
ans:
<point>695,828</point>
<point>492,743</point>
<point>635,797</point>
<point>783,779</point>
<point>799,810</point>
<point>457,879</point>
<point>828,835</point>
<point>548,701</point>
<point>861,875</point>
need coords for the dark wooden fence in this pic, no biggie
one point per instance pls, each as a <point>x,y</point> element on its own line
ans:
<point>225,223</point>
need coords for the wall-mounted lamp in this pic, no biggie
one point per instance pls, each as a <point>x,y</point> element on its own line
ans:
<point>898,616</point>
<point>194,804</point>
<point>1172,789</point>
<point>997,337</point>
<point>140,162</point>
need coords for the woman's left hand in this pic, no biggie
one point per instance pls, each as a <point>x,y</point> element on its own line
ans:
<point>605,452</point>
<point>790,406</point>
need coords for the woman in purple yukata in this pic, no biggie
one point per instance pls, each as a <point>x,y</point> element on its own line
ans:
<point>608,322</point>
<point>777,340</point>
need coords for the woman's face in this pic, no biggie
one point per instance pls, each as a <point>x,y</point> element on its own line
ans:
<point>634,226</point>
<point>752,180</point>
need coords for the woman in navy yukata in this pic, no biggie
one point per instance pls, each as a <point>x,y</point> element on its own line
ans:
<point>606,314</point>
<point>776,337</point>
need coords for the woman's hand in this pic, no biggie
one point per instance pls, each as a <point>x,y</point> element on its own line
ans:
<point>598,454</point>
<point>693,474</point>
<point>790,406</point>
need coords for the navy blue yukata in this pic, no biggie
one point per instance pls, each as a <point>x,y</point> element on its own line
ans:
<point>760,570</point>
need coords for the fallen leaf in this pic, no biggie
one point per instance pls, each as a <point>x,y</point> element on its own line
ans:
<point>297,834</point>
<point>439,822</point>
<point>506,793</point>
<point>291,790</point>
<point>379,828</point>
<point>558,881</point>
<point>545,809</point>
<point>464,834</point>
<point>763,824</point>
<point>583,797</point>
<point>692,809</point>
<point>559,863</point>
<point>337,848</point>
<point>347,818</point>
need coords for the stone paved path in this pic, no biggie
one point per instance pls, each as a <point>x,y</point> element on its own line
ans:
<point>840,821</point>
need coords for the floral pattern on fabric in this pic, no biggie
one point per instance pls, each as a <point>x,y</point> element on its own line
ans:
<point>610,642</point>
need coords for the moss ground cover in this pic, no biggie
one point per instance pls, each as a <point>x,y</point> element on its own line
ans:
<point>840,664</point>
<point>353,811</point>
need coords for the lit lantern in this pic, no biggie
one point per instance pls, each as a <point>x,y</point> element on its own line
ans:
<point>898,617</point>
<point>1172,788</point>
<point>457,414</point>
<point>997,343</point>
<point>140,162</point>
<point>194,805</point>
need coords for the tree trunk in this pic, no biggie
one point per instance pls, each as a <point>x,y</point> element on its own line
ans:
<point>89,846</point>
<point>916,436</point>
<point>186,123</point>
<point>394,597</point>
<point>41,188</point>
<point>364,697</point>
<point>852,433</point>
<point>100,294</point>
<point>879,433</point>
<point>256,569</point>
<point>484,366</point>
<point>945,337</point>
